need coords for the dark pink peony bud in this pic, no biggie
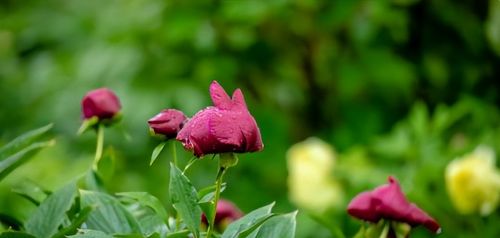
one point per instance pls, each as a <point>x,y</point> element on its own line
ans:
<point>168,123</point>
<point>388,202</point>
<point>226,212</point>
<point>101,103</point>
<point>225,127</point>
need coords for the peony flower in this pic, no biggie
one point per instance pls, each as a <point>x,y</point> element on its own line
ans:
<point>388,202</point>
<point>101,103</point>
<point>167,123</point>
<point>225,127</point>
<point>226,213</point>
<point>473,182</point>
<point>310,165</point>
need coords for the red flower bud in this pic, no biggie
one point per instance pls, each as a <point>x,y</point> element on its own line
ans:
<point>101,103</point>
<point>226,212</point>
<point>388,202</point>
<point>168,123</point>
<point>225,127</point>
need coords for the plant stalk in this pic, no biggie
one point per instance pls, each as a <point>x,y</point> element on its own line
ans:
<point>99,146</point>
<point>218,185</point>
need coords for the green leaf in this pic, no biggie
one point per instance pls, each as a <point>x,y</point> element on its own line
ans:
<point>22,141</point>
<point>179,234</point>
<point>156,152</point>
<point>10,221</point>
<point>109,215</point>
<point>185,200</point>
<point>21,157</point>
<point>242,224</point>
<point>88,124</point>
<point>75,224</point>
<point>85,233</point>
<point>51,213</point>
<point>15,234</point>
<point>31,191</point>
<point>147,200</point>
<point>106,165</point>
<point>282,226</point>
<point>207,194</point>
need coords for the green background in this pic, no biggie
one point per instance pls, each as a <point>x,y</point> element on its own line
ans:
<point>398,87</point>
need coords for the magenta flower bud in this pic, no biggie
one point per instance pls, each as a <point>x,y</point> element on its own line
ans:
<point>167,123</point>
<point>101,103</point>
<point>388,202</point>
<point>225,127</point>
<point>226,213</point>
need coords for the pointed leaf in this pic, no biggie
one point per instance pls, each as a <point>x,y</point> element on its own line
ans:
<point>282,226</point>
<point>31,191</point>
<point>23,141</point>
<point>185,200</point>
<point>12,162</point>
<point>247,221</point>
<point>109,215</point>
<point>147,200</point>
<point>75,224</point>
<point>51,213</point>
<point>156,152</point>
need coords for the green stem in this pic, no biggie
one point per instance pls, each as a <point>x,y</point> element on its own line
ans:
<point>218,185</point>
<point>191,162</point>
<point>174,152</point>
<point>99,146</point>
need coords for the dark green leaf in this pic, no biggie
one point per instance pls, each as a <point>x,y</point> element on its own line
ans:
<point>185,200</point>
<point>156,152</point>
<point>109,215</point>
<point>242,224</point>
<point>21,157</point>
<point>11,222</point>
<point>46,219</point>
<point>22,141</point>
<point>75,224</point>
<point>282,226</point>
<point>15,234</point>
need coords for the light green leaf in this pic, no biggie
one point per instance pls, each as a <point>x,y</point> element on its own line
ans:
<point>46,219</point>
<point>242,224</point>
<point>282,226</point>
<point>185,200</point>
<point>179,234</point>
<point>12,162</point>
<point>31,191</point>
<point>23,141</point>
<point>156,152</point>
<point>106,165</point>
<point>90,234</point>
<point>207,194</point>
<point>147,200</point>
<point>109,215</point>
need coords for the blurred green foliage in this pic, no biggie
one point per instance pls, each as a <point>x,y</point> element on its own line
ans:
<point>345,71</point>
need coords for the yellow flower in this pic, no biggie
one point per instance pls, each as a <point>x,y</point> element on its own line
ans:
<point>473,182</point>
<point>310,165</point>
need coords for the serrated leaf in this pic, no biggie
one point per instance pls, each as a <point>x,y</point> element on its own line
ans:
<point>12,162</point>
<point>156,152</point>
<point>51,213</point>
<point>109,215</point>
<point>23,141</point>
<point>147,200</point>
<point>282,226</point>
<point>15,234</point>
<point>242,224</point>
<point>185,200</point>
<point>86,233</point>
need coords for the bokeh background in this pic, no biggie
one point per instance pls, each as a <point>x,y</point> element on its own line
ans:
<point>397,87</point>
